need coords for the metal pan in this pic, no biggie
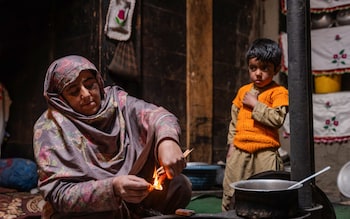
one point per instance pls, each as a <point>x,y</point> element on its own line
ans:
<point>344,179</point>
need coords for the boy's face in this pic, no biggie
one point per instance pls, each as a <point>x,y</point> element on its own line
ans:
<point>261,73</point>
<point>83,94</point>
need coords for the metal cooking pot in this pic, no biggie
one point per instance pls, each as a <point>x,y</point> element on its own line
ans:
<point>343,17</point>
<point>321,20</point>
<point>266,198</point>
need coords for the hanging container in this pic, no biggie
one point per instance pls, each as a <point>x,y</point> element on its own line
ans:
<point>327,83</point>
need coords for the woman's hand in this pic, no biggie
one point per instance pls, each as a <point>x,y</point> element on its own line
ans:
<point>131,188</point>
<point>171,158</point>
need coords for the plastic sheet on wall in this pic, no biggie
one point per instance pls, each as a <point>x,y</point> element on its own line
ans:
<point>318,6</point>
<point>331,118</point>
<point>330,51</point>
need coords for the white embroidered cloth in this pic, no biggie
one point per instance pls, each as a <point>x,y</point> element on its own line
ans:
<point>330,50</point>
<point>331,117</point>
<point>119,19</point>
<point>322,5</point>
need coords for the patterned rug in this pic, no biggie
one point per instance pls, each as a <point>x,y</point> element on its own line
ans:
<point>19,205</point>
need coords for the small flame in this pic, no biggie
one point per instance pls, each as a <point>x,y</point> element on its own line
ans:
<point>157,183</point>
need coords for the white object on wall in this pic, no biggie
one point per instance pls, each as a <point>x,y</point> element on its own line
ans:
<point>5,103</point>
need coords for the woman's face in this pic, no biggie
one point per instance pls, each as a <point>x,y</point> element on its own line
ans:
<point>83,94</point>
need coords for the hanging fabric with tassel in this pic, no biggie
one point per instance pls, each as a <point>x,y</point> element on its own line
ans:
<point>124,61</point>
<point>119,19</point>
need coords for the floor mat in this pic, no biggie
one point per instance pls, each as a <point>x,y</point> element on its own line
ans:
<point>205,204</point>
<point>342,211</point>
<point>20,205</point>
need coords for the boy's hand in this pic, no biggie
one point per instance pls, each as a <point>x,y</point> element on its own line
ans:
<point>229,150</point>
<point>250,99</point>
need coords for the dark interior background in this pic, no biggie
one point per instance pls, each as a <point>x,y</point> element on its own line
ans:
<point>34,33</point>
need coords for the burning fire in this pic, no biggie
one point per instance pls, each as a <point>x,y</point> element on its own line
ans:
<point>159,174</point>
<point>157,183</point>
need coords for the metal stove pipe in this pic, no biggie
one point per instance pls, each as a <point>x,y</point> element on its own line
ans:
<point>300,96</point>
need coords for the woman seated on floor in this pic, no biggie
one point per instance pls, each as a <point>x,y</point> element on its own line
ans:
<point>97,148</point>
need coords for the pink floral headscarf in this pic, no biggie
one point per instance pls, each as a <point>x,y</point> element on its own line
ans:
<point>64,71</point>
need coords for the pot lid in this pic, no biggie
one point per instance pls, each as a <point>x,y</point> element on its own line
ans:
<point>344,179</point>
<point>264,185</point>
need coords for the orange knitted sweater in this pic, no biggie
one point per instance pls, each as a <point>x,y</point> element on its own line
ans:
<point>251,135</point>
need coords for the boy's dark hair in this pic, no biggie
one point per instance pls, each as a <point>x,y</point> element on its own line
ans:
<point>265,50</point>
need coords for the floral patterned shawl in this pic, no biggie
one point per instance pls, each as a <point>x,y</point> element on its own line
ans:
<point>77,155</point>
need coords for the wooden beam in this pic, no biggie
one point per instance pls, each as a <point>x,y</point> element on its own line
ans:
<point>199,84</point>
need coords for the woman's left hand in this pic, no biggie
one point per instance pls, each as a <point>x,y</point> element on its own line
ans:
<point>171,158</point>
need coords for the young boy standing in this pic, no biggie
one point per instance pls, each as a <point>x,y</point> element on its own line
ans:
<point>257,112</point>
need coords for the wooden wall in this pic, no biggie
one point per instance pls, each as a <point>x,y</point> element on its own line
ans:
<point>37,33</point>
<point>24,57</point>
<point>235,24</point>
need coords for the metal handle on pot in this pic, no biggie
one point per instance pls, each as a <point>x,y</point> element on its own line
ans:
<point>308,178</point>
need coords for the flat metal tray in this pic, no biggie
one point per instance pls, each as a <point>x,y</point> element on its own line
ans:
<point>343,180</point>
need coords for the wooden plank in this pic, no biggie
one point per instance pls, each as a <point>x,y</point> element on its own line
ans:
<point>199,81</point>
